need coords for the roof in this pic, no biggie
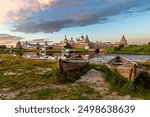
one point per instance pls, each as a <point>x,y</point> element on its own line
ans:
<point>123,38</point>
<point>82,36</point>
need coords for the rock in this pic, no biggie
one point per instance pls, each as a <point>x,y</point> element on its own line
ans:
<point>9,74</point>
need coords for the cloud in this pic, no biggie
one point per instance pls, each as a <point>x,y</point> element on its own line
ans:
<point>146,9</point>
<point>12,9</point>
<point>57,25</point>
<point>8,39</point>
<point>41,40</point>
<point>122,1</point>
<point>33,16</point>
<point>45,2</point>
<point>8,36</point>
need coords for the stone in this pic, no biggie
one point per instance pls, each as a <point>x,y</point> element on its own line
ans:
<point>9,74</point>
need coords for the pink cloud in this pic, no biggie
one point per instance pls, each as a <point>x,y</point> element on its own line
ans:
<point>46,2</point>
<point>11,9</point>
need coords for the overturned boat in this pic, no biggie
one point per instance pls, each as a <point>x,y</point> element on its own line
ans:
<point>124,67</point>
<point>75,63</point>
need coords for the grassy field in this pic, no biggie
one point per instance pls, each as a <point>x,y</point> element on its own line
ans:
<point>144,49</point>
<point>39,79</point>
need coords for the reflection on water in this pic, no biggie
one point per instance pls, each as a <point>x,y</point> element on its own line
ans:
<point>105,58</point>
<point>93,57</point>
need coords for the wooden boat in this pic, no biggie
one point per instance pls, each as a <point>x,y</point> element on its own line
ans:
<point>75,63</point>
<point>124,67</point>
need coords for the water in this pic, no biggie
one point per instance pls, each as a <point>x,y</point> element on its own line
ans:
<point>93,57</point>
<point>106,58</point>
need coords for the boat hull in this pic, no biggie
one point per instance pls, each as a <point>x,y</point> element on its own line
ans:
<point>69,66</point>
<point>123,67</point>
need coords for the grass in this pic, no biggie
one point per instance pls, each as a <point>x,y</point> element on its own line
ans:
<point>31,85</point>
<point>72,92</point>
<point>143,49</point>
<point>145,64</point>
<point>54,85</point>
<point>68,77</point>
<point>28,71</point>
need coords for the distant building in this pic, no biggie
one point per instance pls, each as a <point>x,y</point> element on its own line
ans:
<point>104,44</point>
<point>45,46</point>
<point>18,45</point>
<point>82,42</point>
<point>122,42</point>
<point>116,44</point>
<point>36,45</point>
<point>30,45</point>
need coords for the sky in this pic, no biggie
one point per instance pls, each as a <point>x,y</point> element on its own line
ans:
<point>101,20</point>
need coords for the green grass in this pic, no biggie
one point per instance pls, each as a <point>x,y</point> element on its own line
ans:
<point>144,49</point>
<point>145,64</point>
<point>31,85</point>
<point>72,92</point>
<point>68,77</point>
<point>28,71</point>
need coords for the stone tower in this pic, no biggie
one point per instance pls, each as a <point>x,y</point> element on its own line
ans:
<point>18,45</point>
<point>65,40</point>
<point>87,39</point>
<point>123,41</point>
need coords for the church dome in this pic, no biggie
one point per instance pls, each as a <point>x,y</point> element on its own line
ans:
<point>123,41</point>
<point>82,37</point>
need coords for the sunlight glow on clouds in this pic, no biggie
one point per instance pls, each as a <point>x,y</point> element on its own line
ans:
<point>12,9</point>
<point>52,16</point>
<point>75,13</point>
<point>23,13</point>
<point>45,2</point>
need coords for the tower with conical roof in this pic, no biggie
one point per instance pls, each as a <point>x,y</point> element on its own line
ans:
<point>18,45</point>
<point>87,39</point>
<point>65,40</point>
<point>82,38</point>
<point>123,41</point>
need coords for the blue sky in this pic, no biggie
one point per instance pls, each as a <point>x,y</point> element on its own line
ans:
<point>102,20</point>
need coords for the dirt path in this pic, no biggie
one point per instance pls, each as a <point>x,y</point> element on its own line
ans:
<point>96,80</point>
